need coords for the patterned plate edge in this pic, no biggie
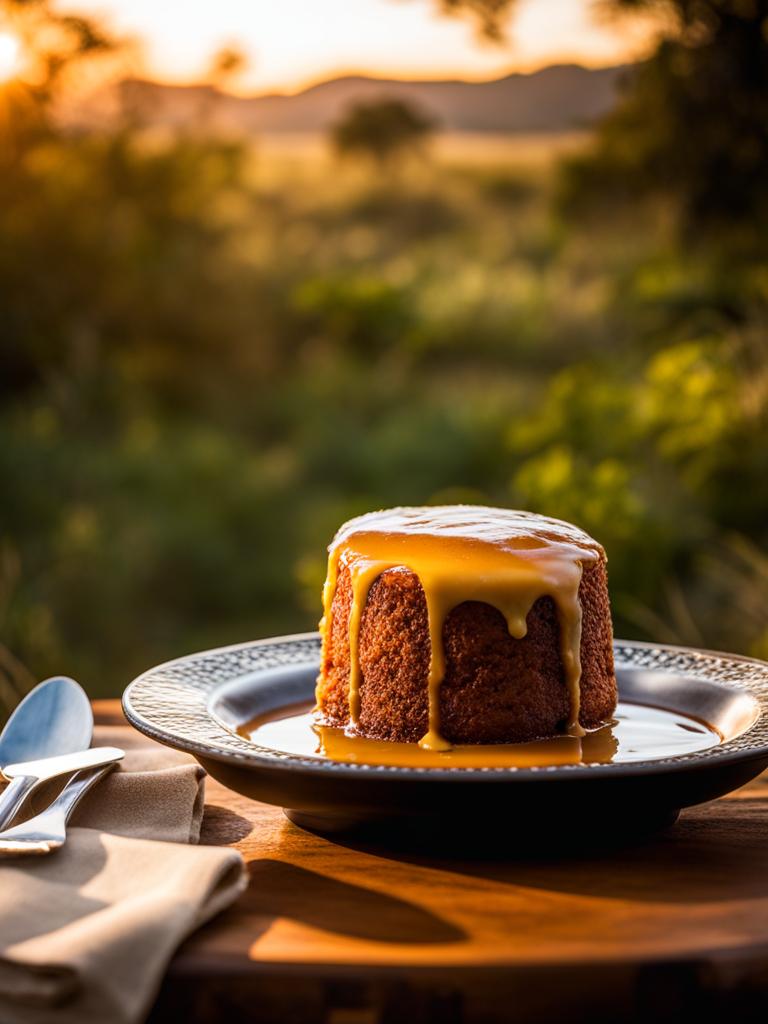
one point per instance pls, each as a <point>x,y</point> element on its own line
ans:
<point>170,702</point>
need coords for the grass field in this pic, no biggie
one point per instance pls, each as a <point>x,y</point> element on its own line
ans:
<point>447,147</point>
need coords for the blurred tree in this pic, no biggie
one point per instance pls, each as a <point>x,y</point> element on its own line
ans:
<point>225,67</point>
<point>53,46</point>
<point>227,64</point>
<point>488,15</point>
<point>382,130</point>
<point>693,120</point>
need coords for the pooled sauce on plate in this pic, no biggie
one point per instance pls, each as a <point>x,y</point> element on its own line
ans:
<point>637,733</point>
<point>460,553</point>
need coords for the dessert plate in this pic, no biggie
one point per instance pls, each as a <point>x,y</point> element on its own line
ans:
<point>199,702</point>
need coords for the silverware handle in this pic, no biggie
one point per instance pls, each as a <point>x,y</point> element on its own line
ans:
<point>76,788</point>
<point>13,797</point>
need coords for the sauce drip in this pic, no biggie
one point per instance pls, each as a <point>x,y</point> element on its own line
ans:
<point>637,733</point>
<point>460,553</point>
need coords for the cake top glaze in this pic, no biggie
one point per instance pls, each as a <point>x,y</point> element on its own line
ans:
<point>507,529</point>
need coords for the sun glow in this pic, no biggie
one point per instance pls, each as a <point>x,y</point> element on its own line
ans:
<point>293,43</point>
<point>10,56</point>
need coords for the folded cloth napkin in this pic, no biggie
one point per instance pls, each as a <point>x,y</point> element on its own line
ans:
<point>86,933</point>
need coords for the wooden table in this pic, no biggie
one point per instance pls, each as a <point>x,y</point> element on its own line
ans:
<point>352,935</point>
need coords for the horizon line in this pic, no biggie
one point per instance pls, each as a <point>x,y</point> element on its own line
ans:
<point>372,75</point>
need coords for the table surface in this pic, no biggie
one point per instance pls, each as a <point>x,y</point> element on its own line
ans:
<point>355,935</point>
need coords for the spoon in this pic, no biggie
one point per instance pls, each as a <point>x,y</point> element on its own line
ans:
<point>54,718</point>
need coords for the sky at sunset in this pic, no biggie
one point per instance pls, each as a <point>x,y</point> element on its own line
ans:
<point>291,43</point>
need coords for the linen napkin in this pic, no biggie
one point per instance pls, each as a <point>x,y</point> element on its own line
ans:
<point>86,933</point>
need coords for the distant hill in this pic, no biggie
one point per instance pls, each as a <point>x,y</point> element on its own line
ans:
<point>555,98</point>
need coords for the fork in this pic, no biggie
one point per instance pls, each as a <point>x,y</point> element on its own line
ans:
<point>47,831</point>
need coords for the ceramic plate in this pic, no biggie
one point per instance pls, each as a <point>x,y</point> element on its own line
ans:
<point>197,703</point>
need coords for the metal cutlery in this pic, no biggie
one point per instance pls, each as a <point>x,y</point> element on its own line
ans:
<point>53,719</point>
<point>28,775</point>
<point>47,831</point>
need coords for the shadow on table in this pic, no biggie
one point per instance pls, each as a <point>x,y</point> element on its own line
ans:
<point>278,889</point>
<point>714,853</point>
<point>222,826</point>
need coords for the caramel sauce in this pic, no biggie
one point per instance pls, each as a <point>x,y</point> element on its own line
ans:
<point>460,553</point>
<point>637,733</point>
